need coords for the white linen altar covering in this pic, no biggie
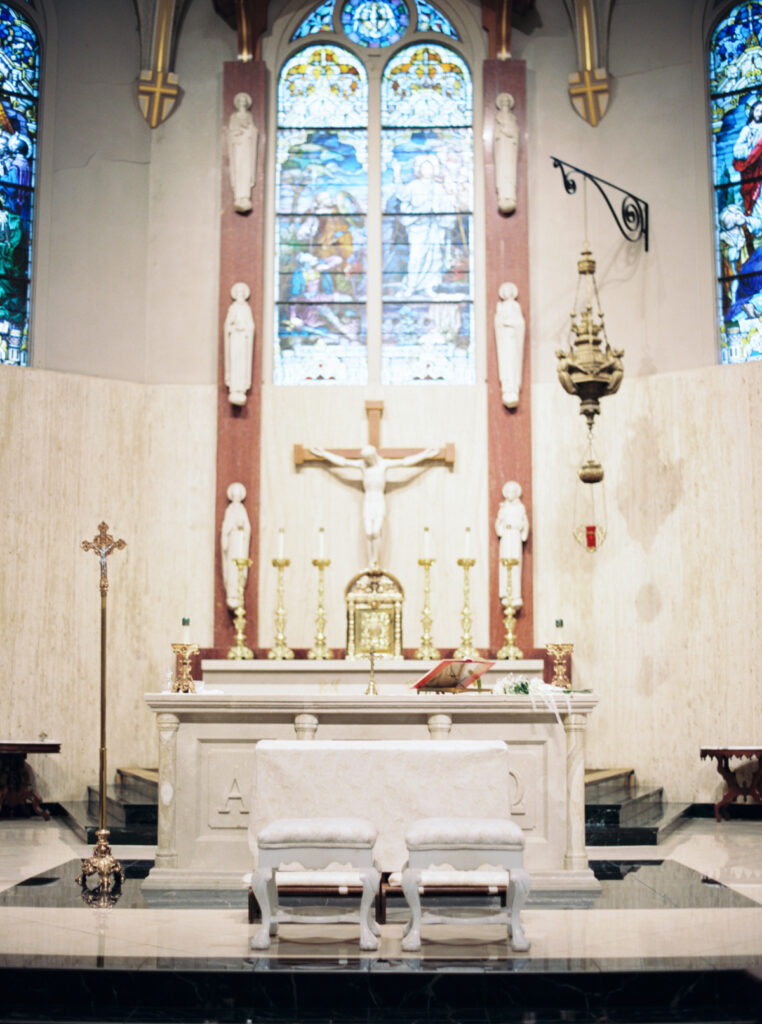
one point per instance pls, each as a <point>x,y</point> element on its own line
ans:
<point>391,782</point>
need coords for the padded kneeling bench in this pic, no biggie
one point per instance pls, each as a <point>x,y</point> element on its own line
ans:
<point>315,843</point>
<point>452,851</point>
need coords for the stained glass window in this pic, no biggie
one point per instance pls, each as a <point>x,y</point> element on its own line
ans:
<point>321,20</point>
<point>374,22</point>
<point>427,202</point>
<point>432,20</point>
<point>19,92</point>
<point>735,73</point>
<point>321,207</point>
<point>418,281</point>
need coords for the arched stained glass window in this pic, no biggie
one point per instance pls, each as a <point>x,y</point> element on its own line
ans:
<point>735,75</point>
<point>321,20</point>
<point>432,20</point>
<point>427,198</point>
<point>19,95</point>
<point>374,275</point>
<point>321,207</point>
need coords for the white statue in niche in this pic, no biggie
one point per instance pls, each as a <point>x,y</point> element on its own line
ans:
<point>505,151</point>
<point>373,468</point>
<point>512,527</point>
<point>235,537</point>
<point>509,338</point>
<point>239,344</point>
<point>243,137</point>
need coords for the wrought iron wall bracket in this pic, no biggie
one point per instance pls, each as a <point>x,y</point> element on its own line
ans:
<point>632,217</point>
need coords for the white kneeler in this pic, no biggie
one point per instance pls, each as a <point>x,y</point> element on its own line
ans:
<point>464,845</point>
<point>315,843</point>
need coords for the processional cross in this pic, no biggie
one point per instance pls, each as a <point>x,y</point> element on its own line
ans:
<point>373,461</point>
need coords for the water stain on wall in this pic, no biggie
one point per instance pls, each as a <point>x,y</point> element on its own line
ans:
<point>651,486</point>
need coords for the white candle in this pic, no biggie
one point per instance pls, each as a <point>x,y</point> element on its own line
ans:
<point>281,531</point>
<point>321,543</point>
<point>426,542</point>
<point>467,553</point>
<point>186,631</point>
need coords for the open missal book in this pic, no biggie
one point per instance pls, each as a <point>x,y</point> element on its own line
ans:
<point>453,675</point>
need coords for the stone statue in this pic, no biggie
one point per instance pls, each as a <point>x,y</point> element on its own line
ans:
<point>509,338</point>
<point>235,537</point>
<point>373,468</point>
<point>242,152</point>
<point>239,344</point>
<point>505,151</point>
<point>512,527</point>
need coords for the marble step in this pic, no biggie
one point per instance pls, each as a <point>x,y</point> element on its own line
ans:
<point>84,823</point>
<point>651,827</point>
<point>140,780</point>
<point>626,806</point>
<point>124,805</point>
<point>600,782</point>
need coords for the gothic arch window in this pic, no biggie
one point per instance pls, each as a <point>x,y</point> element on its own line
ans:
<point>735,86</point>
<point>374,198</point>
<point>19,106</point>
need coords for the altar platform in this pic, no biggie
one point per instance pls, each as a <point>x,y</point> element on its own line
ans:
<point>673,934</point>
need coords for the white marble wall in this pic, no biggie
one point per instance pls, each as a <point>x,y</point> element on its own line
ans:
<point>665,617</point>
<point>76,450</point>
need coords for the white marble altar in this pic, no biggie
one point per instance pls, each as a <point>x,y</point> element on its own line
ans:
<point>207,744</point>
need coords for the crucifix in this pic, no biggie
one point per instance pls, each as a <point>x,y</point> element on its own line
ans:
<point>373,461</point>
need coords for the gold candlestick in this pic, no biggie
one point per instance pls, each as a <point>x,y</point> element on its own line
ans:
<point>184,683</point>
<point>280,651</point>
<point>427,650</point>
<point>240,651</point>
<point>466,649</point>
<point>101,862</point>
<point>559,654</point>
<point>509,649</point>
<point>320,651</point>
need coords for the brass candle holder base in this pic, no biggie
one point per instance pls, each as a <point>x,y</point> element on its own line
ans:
<point>320,651</point>
<point>559,653</point>
<point>280,651</point>
<point>466,648</point>
<point>102,862</point>
<point>183,682</point>
<point>510,650</point>
<point>240,651</point>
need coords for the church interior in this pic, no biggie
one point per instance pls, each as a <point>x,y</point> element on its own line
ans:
<point>285,343</point>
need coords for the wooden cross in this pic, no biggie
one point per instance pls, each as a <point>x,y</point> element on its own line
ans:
<point>374,409</point>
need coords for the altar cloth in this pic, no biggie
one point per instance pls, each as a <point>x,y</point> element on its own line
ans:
<point>391,782</point>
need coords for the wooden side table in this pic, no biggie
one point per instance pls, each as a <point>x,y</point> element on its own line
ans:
<point>733,785</point>
<point>17,783</point>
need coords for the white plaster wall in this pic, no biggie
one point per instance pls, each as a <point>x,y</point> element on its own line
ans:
<point>653,142</point>
<point>129,287</point>
<point>665,616</point>
<point>77,450</point>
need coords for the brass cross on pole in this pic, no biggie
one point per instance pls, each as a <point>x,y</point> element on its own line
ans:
<point>102,862</point>
<point>374,409</point>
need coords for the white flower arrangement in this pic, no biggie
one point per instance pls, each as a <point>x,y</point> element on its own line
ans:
<point>535,689</point>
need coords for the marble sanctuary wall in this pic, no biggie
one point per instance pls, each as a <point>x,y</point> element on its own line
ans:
<point>117,419</point>
<point>77,450</point>
<point>664,617</point>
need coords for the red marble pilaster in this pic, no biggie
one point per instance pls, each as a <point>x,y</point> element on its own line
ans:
<point>239,428</point>
<point>507,259</point>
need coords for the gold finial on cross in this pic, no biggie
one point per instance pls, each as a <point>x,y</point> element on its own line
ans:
<point>103,544</point>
